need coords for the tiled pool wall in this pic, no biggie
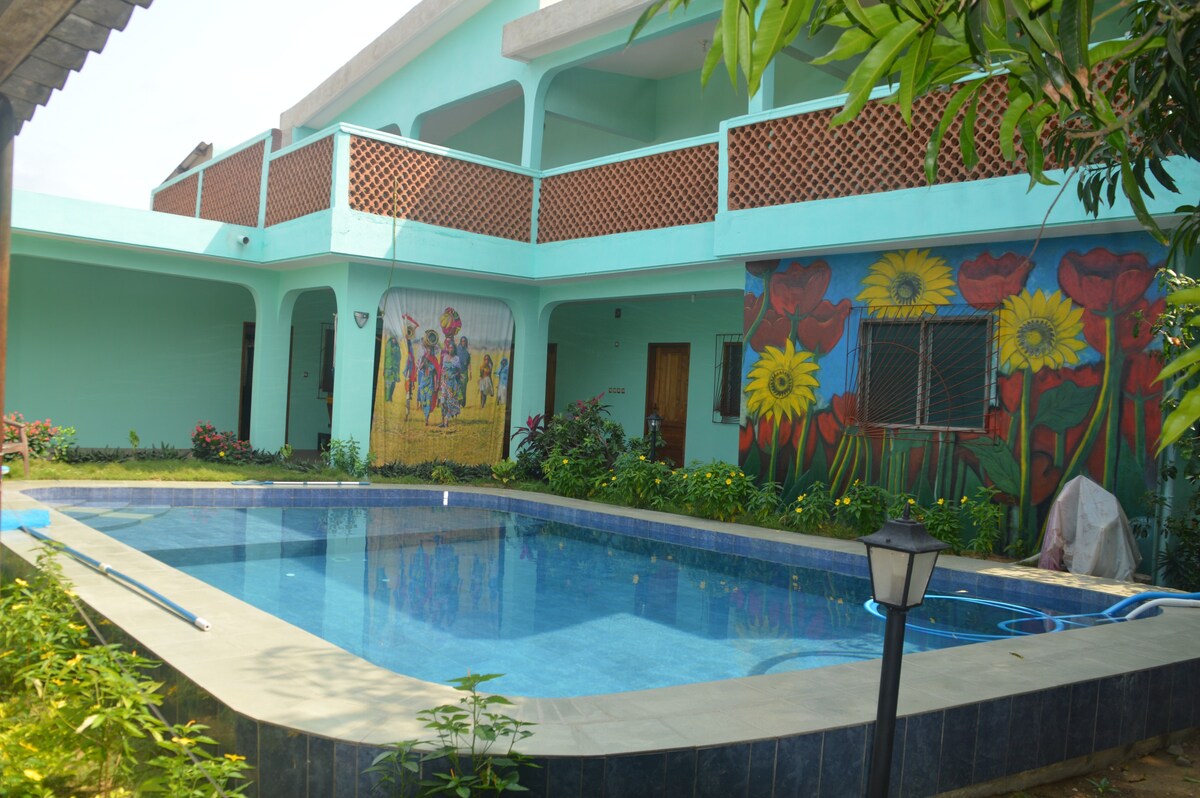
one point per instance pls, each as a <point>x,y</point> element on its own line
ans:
<point>960,748</point>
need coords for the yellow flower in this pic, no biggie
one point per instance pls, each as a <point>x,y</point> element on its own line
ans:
<point>1038,330</point>
<point>32,774</point>
<point>799,509</point>
<point>183,741</point>
<point>565,461</point>
<point>641,457</point>
<point>907,284</point>
<point>733,473</point>
<point>235,758</point>
<point>657,481</point>
<point>729,482</point>
<point>912,501</point>
<point>846,501</point>
<point>220,454</point>
<point>21,582</point>
<point>781,383</point>
<point>941,502</point>
<point>964,500</point>
<point>708,475</point>
<point>685,476</point>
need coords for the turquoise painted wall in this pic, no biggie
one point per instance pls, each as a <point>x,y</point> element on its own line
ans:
<point>686,109</point>
<point>567,141</point>
<point>798,82</point>
<point>308,413</point>
<point>497,135</point>
<point>465,62</point>
<point>590,360</point>
<point>107,350</point>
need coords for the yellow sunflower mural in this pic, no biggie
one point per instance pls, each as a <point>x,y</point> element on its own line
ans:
<point>904,285</point>
<point>1038,330</point>
<point>781,383</point>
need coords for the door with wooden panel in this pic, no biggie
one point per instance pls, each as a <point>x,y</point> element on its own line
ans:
<point>666,394</point>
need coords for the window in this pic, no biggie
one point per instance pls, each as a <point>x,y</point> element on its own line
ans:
<point>727,397</point>
<point>926,373</point>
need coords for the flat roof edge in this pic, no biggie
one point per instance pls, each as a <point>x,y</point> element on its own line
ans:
<point>565,23</point>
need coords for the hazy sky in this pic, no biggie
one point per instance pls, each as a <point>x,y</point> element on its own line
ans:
<point>182,72</point>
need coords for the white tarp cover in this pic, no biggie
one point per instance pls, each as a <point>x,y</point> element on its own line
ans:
<point>1087,533</point>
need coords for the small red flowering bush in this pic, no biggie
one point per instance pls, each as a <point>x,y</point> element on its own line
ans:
<point>209,444</point>
<point>46,440</point>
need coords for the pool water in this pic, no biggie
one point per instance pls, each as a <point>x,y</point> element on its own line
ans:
<point>560,610</point>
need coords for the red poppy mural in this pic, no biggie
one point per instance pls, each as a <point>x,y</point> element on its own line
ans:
<point>1070,382</point>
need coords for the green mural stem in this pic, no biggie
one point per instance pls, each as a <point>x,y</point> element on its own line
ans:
<point>867,464</point>
<point>839,461</point>
<point>1089,435</point>
<point>1026,458</point>
<point>803,444</point>
<point>762,310</point>
<point>1111,441</point>
<point>1139,443</point>
<point>774,447</point>
<point>1060,447</point>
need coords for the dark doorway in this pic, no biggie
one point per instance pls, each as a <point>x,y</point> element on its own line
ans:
<point>666,394</point>
<point>551,377</point>
<point>247,386</point>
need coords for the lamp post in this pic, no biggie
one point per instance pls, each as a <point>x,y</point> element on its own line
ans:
<point>901,556</point>
<point>654,422</point>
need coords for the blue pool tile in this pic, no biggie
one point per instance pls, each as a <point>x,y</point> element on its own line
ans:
<point>798,765</point>
<point>922,747</point>
<point>320,766</point>
<point>958,747</point>
<point>1109,702</point>
<point>1158,702</point>
<point>991,740</point>
<point>591,773</point>
<point>843,756</point>
<point>634,776</point>
<point>722,772</point>
<point>763,756</point>
<point>282,760</point>
<point>681,773</point>
<point>535,778</point>
<point>1052,740</point>
<point>345,770</point>
<point>1024,732</point>
<point>1183,680</point>
<point>1133,707</point>
<point>564,778</point>
<point>1081,729</point>
<point>366,782</point>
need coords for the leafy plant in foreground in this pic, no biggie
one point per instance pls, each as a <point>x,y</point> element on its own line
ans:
<point>461,757</point>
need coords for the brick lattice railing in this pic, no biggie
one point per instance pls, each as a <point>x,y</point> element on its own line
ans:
<point>800,158</point>
<point>439,190</point>
<point>179,199</point>
<point>300,182</point>
<point>667,189</point>
<point>230,192</point>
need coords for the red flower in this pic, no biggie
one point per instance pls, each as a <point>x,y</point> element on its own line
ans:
<point>1010,390</point>
<point>761,268</point>
<point>766,430</point>
<point>820,331</point>
<point>1126,324</point>
<point>986,281</point>
<point>1141,389</point>
<point>1046,476</point>
<point>1104,282</point>
<point>773,330</point>
<point>799,289</point>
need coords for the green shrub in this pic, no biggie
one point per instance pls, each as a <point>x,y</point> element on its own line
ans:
<point>443,475</point>
<point>723,492</point>
<point>637,481</point>
<point>78,716</point>
<point>571,475</point>
<point>46,440</point>
<point>987,517</point>
<point>504,471</point>
<point>811,512</point>
<point>863,507</point>
<point>344,456</point>
<point>210,444</point>
<point>943,521</point>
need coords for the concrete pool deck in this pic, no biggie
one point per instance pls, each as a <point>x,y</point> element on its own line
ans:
<point>312,716</point>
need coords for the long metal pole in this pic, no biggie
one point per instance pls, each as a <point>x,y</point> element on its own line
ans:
<point>7,134</point>
<point>889,694</point>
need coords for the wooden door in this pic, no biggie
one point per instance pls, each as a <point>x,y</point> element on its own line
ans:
<point>666,394</point>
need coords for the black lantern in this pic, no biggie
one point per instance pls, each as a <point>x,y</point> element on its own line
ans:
<point>654,422</point>
<point>901,556</point>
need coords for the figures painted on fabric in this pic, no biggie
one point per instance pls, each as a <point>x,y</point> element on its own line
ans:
<point>1059,381</point>
<point>435,367</point>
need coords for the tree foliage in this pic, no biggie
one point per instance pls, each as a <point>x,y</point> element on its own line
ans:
<point>1110,113</point>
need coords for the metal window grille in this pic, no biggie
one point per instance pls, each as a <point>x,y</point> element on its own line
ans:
<point>727,382</point>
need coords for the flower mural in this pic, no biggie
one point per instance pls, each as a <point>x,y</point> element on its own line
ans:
<point>1069,364</point>
<point>907,284</point>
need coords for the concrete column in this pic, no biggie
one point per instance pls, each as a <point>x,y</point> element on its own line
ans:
<point>354,359</point>
<point>535,121</point>
<point>528,369</point>
<point>764,100</point>
<point>272,355</point>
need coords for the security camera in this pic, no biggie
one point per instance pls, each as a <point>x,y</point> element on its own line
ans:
<point>242,239</point>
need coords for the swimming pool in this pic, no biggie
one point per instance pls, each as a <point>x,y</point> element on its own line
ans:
<point>312,717</point>
<point>560,610</point>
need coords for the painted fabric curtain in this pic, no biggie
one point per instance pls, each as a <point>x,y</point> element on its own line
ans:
<point>443,383</point>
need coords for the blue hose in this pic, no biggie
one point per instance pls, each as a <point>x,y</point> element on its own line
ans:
<point>108,570</point>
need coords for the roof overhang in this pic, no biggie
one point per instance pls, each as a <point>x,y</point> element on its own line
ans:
<point>43,41</point>
<point>415,32</point>
<point>565,23</point>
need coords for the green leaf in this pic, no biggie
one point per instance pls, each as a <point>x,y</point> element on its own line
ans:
<point>912,66</point>
<point>1074,30</point>
<point>1064,407</point>
<point>647,15</point>
<point>730,13</point>
<point>779,24</point>
<point>1018,104</point>
<point>1184,360</point>
<point>997,463</point>
<point>1184,296</point>
<point>966,134</point>
<point>715,53</point>
<point>852,42</point>
<point>1181,419</point>
<point>875,65</point>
